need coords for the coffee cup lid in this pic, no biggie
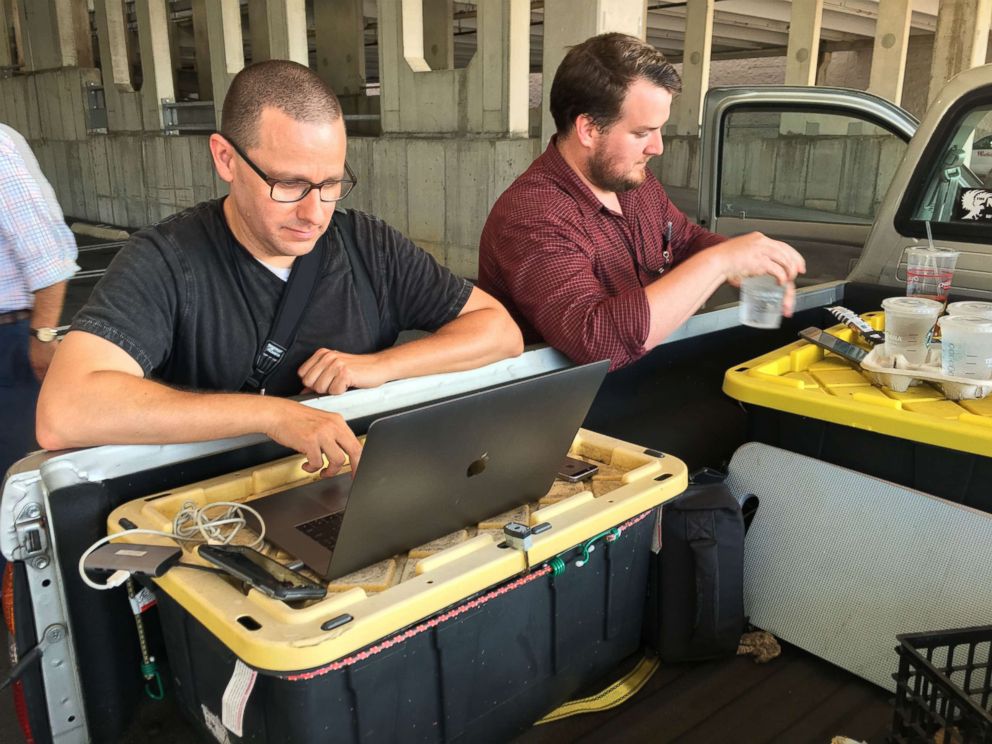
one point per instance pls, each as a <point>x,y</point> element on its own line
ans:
<point>966,323</point>
<point>912,305</point>
<point>974,308</point>
<point>933,252</point>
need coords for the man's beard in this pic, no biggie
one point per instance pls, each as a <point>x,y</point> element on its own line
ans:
<point>603,174</point>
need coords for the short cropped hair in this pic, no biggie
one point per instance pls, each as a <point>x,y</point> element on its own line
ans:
<point>595,75</point>
<point>288,86</point>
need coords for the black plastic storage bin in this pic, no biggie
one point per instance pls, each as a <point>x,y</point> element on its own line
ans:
<point>944,687</point>
<point>481,671</point>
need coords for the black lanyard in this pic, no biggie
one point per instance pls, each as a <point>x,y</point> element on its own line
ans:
<point>293,303</point>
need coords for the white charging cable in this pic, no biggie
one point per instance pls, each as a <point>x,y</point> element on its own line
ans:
<point>191,521</point>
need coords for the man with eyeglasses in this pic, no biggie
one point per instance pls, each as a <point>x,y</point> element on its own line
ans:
<point>173,331</point>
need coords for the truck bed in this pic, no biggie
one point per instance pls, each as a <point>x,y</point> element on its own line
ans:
<point>794,698</point>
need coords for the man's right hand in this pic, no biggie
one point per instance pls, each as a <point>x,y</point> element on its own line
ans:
<point>754,254</point>
<point>316,434</point>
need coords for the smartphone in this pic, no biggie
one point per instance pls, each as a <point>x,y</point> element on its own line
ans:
<point>573,470</point>
<point>270,577</point>
<point>848,351</point>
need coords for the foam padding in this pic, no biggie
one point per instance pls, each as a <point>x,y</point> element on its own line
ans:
<point>839,563</point>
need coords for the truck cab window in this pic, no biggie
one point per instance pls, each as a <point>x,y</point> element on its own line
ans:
<point>959,186</point>
<point>809,166</point>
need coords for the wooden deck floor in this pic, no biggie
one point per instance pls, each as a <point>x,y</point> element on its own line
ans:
<point>794,699</point>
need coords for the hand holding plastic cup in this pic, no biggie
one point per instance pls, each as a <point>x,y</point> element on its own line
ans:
<point>761,302</point>
<point>929,271</point>
<point>966,347</point>
<point>908,322</point>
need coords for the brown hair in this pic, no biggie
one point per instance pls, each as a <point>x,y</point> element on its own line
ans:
<point>595,75</point>
<point>288,86</point>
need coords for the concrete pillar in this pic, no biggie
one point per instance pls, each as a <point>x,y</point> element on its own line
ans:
<point>258,30</point>
<point>339,26</point>
<point>439,44</point>
<point>961,40</point>
<point>695,65</point>
<point>201,50</point>
<point>39,35</point>
<point>113,46</point>
<point>72,26</point>
<point>15,18</point>
<point>278,30</point>
<point>65,40</point>
<point>55,33</point>
<point>568,22</point>
<point>487,97</point>
<point>156,60</point>
<point>227,57</point>
<point>804,42</point>
<point>80,13</point>
<point>6,53</point>
<point>123,103</point>
<point>498,75</point>
<point>888,60</point>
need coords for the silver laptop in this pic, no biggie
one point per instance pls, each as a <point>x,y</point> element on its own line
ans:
<point>434,470</point>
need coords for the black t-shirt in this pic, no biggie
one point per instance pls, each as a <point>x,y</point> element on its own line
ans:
<point>192,306</point>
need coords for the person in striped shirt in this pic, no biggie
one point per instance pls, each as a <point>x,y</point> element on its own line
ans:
<point>37,257</point>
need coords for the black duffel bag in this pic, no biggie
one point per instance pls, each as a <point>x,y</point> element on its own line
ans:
<point>695,606</point>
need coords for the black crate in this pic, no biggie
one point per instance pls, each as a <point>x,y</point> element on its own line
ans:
<point>944,687</point>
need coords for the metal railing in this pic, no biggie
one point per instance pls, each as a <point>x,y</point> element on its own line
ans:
<point>198,117</point>
<point>188,117</point>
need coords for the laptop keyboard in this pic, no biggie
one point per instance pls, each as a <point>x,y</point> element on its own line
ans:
<point>323,530</point>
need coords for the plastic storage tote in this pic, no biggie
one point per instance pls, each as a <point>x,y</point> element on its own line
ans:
<point>463,639</point>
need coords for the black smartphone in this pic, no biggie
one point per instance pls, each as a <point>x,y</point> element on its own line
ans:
<point>843,349</point>
<point>574,470</point>
<point>261,572</point>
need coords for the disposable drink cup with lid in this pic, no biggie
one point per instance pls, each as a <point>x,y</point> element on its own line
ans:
<point>929,271</point>
<point>966,347</point>
<point>761,302</point>
<point>971,309</point>
<point>908,322</point>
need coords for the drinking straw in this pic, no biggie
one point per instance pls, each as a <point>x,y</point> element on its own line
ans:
<point>926,224</point>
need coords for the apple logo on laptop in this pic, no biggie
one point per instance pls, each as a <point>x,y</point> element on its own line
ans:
<point>478,466</point>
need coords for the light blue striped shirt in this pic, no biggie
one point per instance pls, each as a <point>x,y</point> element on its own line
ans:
<point>37,249</point>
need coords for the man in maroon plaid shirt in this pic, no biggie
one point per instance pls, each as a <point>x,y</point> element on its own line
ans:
<point>585,248</point>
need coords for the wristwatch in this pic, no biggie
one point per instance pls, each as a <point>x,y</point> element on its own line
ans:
<point>45,335</point>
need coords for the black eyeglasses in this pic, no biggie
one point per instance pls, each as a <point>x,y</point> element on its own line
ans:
<point>331,190</point>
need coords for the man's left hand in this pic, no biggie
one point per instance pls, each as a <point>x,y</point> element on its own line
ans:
<point>335,372</point>
<point>40,356</point>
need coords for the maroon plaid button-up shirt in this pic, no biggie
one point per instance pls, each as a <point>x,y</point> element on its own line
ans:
<point>573,272</point>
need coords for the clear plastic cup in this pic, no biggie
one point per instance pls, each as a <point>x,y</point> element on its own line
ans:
<point>908,322</point>
<point>929,271</point>
<point>966,347</point>
<point>761,302</point>
<point>971,309</point>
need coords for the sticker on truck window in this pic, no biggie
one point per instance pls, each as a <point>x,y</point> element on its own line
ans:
<point>973,205</point>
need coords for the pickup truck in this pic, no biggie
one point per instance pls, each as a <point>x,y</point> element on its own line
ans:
<point>848,178</point>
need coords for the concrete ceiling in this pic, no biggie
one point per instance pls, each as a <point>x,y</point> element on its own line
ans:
<point>741,28</point>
